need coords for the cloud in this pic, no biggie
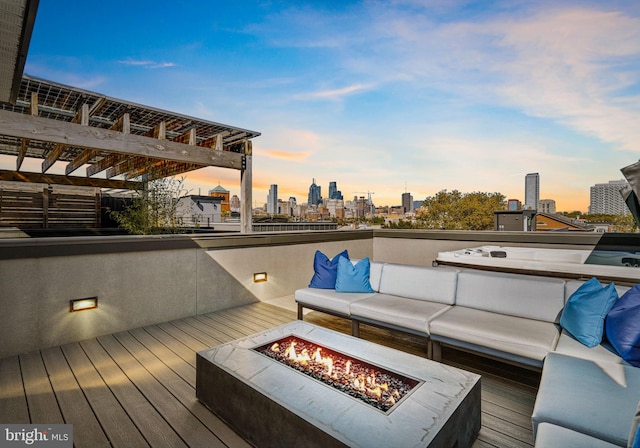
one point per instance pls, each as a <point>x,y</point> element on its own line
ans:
<point>149,64</point>
<point>336,93</point>
<point>284,155</point>
<point>575,66</point>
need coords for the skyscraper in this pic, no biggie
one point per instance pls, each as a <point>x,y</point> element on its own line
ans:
<point>531,191</point>
<point>407,202</point>
<point>272,200</point>
<point>606,198</point>
<point>334,193</point>
<point>315,193</point>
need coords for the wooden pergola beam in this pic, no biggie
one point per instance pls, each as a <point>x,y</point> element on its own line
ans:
<point>56,179</point>
<point>24,144</point>
<point>104,163</point>
<point>122,124</point>
<point>127,165</point>
<point>104,140</point>
<point>81,117</point>
<point>188,137</point>
<point>80,160</point>
<point>214,142</point>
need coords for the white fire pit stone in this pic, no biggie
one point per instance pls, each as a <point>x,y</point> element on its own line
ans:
<point>273,405</point>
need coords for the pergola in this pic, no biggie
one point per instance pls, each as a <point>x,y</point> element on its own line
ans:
<point>105,142</point>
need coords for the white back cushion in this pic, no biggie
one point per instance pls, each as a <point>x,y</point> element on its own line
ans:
<point>375,272</point>
<point>529,296</point>
<point>419,282</point>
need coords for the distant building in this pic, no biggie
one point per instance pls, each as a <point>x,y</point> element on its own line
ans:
<point>272,200</point>
<point>514,220</point>
<point>334,193</point>
<point>362,208</point>
<point>606,198</point>
<point>407,203</point>
<point>531,191</point>
<point>315,194</point>
<point>555,222</point>
<point>547,206</point>
<point>199,211</point>
<point>417,204</point>
<point>335,208</point>
<point>292,205</point>
<point>514,204</point>
<point>220,192</point>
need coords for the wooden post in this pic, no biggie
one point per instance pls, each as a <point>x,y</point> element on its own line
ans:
<point>245,192</point>
<point>45,207</point>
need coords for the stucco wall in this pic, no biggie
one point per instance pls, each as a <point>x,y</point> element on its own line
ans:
<point>133,289</point>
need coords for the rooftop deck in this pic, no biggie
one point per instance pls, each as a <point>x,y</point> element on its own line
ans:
<point>137,388</point>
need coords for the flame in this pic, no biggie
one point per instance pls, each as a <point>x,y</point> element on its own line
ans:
<point>366,383</point>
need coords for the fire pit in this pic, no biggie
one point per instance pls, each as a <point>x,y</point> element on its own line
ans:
<point>289,386</point>
<point>371,384</point>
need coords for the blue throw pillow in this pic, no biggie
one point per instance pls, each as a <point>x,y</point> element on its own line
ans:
<point>634,434</point>
<point>623,326</point>
<point>352,278</point>
<point>585,312</point>
<point>325,270</point>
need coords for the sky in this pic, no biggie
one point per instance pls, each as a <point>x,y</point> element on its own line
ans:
<point>382,97</point>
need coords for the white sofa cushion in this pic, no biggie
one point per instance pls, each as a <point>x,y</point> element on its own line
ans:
<point>575,393</point>
<point>419,282</point>
<point>527,338</point>
<point>328,299</point>
<point>554,436</point>
<point>528,296</point>
<point>602,355</point>
<point>398,311</point>
<point>375,272</point>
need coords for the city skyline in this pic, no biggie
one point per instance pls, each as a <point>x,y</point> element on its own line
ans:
<point>385,97</point>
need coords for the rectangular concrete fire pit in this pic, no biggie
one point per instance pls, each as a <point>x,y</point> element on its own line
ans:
<point>272,404</point>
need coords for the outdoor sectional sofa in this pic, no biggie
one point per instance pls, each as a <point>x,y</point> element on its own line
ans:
<point>587,396</point>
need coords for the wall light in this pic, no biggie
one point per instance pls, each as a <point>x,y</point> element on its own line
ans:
<point>260,277</point>
<point>84,304</point>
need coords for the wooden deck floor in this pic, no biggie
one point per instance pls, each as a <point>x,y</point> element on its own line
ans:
<point>137,388</point>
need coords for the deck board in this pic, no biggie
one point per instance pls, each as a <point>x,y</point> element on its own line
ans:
<point>71,399</point>
<point>12,396</point>
<point>42,403</point>
<point>138,386</point>
<point>147,419</point>
<point>118,426</point>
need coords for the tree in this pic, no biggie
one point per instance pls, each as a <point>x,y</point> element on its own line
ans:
<point>625,223</point>
<point>460,211</point>
<point>153,209</point>
<point>400,224</point>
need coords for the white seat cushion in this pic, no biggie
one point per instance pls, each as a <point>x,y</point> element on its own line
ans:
<point>528,338</point>
<point>603,355</point>
<point>399,311</point>
<point>554,436</point>
<point>328,299</point>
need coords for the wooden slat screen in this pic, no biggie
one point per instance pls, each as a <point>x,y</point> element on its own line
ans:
<point>49,208</point>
